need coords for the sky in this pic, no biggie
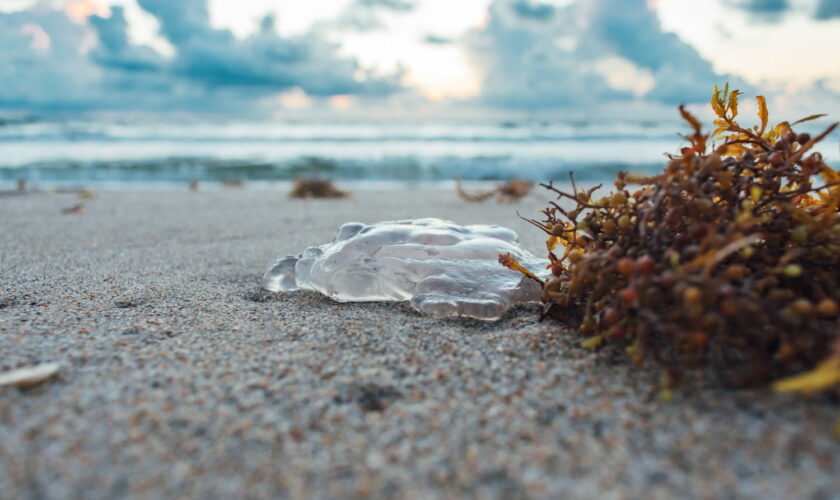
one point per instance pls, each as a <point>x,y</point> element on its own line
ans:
<point>404,57</point>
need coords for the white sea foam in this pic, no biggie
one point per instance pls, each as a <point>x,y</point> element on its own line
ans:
<point>443,269</point>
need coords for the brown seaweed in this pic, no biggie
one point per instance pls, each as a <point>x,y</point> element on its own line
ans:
<point>316,188</point>
<point>729,258</point>
<point>510,191</point>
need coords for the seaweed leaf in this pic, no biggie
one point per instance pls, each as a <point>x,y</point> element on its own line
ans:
<point>763,114</point>
<point>509,262</point>
<point>733,103</point>
<point>824,376</point>
<point>809,118</point>
<point>717,103</point>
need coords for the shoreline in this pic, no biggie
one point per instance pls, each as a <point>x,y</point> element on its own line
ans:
<point>281,186</point>
<point>179,377</point>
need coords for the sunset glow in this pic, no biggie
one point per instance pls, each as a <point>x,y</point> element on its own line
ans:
<point>79,10</point>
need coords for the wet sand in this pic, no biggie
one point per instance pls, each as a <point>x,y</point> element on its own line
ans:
<point>179,377</point>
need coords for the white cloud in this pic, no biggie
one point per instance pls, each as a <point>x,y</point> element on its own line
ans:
<point>523,54</point>
<point>210,69</point>
<point>608,50</point>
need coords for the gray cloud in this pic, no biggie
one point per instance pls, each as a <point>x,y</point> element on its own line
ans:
<point>529,9</point>
<point>53,77</point>
<point>433,39</point>
<point>182,20</point>
<point>828,9</point>
<point>114,49</point>
<point>211,69</point>
<point>364,15</point>
<point>773,10</point>
<point>630,29</point>
<point>768,11</point>
<point>766,6</point>
<point>526,67</point>
<point>397,5</point>
<point>216,58</point>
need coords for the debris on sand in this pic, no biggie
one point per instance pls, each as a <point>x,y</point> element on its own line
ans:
<point>75,209</point>
<point>316,188</point>
<point>510,191</point>
<point>29,376</point>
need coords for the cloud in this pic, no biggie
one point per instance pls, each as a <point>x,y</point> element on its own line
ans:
<point>772,10</point>
<point>766,6</point>
<point>631,29</point>
<point>769,11</point>
<point>214,57</point>
<point>114,49</point>
<point>585,53</point>
<point>528,9</point>
<point>97,66</point>
<point>524,68</point>
<point>397,5</point>
<point>364,15</point>
<point>50,75</point>
<point>828,9</point>
<point>433,39</point>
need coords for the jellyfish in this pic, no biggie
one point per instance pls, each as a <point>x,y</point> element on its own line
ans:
<point>444,270</point>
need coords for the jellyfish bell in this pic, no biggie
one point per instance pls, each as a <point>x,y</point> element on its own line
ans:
<point>443,269</point>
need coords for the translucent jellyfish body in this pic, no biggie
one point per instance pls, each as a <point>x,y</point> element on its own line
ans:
<point>443,269</point>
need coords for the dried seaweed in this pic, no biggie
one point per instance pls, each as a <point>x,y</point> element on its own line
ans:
<point>75,209</point>
<point>729,259</point>
<point>512,190</point>
<point>316,188</point>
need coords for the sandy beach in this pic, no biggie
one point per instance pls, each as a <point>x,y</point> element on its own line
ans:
<point>180,378</point>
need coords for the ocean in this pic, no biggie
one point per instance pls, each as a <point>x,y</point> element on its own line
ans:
<point>148,153</point>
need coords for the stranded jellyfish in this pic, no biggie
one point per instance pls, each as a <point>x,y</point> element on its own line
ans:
<point>444,270</point>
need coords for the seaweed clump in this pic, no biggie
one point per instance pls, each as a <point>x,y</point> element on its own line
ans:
<point>729,258</point>
<point>316,188</point>
<point>510,191</point>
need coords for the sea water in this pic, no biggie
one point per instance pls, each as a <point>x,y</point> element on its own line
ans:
<point>132,151</point>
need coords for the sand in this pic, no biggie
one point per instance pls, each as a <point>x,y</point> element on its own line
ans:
<point>180,378</point>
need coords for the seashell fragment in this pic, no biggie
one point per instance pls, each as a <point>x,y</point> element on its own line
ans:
<point>29,376</point>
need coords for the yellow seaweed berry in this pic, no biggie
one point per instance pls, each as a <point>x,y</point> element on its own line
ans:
<point>793,270</point>
<point>799,234</point>
<point>624,222</point>
<point>619,199</point>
